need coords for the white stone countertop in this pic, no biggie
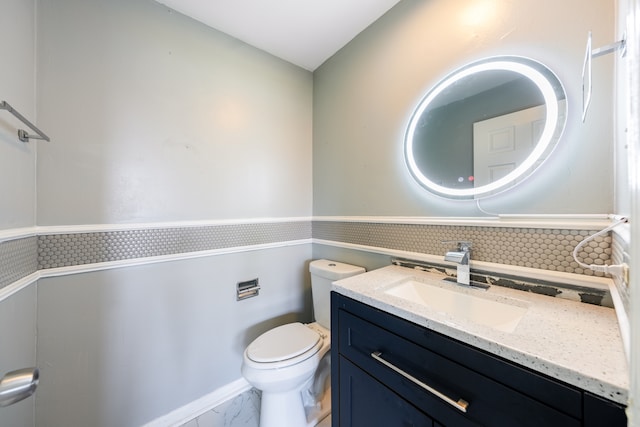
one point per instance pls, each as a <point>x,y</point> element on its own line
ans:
<point>574,342</point>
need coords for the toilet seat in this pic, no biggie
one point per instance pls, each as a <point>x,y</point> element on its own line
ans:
<point>283,343</point>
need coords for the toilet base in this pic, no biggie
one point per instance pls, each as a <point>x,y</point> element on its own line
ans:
<point>287,410</point>
<point>282,410</point>
<point>320,414</point>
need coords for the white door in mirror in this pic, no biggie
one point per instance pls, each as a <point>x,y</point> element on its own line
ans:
<point>502,143</point>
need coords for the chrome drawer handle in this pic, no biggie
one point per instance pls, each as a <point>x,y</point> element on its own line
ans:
<point>459,404</point>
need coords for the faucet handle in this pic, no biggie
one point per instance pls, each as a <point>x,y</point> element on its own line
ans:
<point>461,245</point>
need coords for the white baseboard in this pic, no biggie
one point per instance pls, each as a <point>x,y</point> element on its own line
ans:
<point>198,407</point>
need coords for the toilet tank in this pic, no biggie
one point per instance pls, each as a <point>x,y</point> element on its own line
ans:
<point>323,273</point>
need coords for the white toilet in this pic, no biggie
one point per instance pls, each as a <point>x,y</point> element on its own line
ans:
<point>282,362</point>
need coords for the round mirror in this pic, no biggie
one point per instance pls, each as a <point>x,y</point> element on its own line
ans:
<point>485,127</point>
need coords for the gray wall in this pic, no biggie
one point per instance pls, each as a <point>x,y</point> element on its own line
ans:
<point>159,118</point>
<point>364,95</point>
<point>153,118</point>
<point>17,191</point>
<point>622,104</point>
<point>17,159</point>
<point>124,346</point>
<point>627,192</point>
<point>18,350</point>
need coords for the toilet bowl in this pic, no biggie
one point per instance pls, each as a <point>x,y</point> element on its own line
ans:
<point>284,362</point>
<point>280,363</point>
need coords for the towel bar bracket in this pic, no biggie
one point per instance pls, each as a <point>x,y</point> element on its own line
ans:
<point>23,135</point>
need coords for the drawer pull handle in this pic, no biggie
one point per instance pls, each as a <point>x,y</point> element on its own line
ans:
<point>459,404</point>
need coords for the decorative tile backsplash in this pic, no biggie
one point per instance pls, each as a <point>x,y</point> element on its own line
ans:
<point>541,248</point>
<point>619,255</point>
<point>62,250</point>
<point>17,259</point>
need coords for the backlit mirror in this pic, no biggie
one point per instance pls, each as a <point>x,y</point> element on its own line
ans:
<point>485,127</point>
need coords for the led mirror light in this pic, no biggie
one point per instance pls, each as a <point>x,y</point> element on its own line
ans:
<point>552,94</point>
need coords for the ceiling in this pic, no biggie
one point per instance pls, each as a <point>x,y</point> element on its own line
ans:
<point>303,32</point>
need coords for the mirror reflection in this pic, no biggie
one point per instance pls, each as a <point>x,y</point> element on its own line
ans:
<point>485,127</point>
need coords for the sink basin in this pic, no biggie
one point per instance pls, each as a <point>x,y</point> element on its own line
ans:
<point>503,316</point>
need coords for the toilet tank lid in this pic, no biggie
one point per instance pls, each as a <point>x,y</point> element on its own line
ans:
<point>333,270</point>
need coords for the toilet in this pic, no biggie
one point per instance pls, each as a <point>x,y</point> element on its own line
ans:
<point>290,364</point>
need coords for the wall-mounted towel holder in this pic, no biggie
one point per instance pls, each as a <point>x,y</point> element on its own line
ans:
<point>22,134</point>
<point>591,53</point>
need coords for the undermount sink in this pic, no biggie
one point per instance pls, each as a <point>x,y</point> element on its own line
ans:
<point>502,316</point>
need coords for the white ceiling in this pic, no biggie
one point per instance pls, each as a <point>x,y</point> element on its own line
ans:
<point>303,32</point>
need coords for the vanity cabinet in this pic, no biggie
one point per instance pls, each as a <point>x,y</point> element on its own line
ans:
<point>390,372</point>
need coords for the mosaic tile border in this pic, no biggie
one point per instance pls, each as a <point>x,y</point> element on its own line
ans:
<point>620,255</point>
<point>540,248</point>
<point>63,250</point>
<point>18,259</point>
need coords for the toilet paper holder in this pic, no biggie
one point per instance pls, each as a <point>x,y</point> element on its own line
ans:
<point>247,289</point>
<point>18,385</point>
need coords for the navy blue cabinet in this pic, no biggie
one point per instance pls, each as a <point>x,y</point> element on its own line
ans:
<point>370,403</point>
<point>391,372</point>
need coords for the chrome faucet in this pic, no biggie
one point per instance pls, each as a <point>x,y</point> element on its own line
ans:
<point>461,256</point>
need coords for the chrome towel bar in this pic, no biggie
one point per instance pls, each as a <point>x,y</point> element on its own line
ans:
<point>22,134</point>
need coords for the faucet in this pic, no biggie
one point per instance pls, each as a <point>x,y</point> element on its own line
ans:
<point>460,256</point>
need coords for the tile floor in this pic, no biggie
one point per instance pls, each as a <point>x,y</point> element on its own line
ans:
<point>242,411</point>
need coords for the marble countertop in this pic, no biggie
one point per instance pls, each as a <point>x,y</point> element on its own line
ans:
<point>574,342</point>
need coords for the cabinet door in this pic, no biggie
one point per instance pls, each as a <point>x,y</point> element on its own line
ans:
<point>364,402</point>
<point>601,412</point>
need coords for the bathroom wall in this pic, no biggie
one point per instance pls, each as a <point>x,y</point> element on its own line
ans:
<point>623,144</point>
<point>17,159</point>
<point>18,338</point>
<point>178,155</point>
<point>17,197</point>
<point>123,347</point>
<point>159,118</point>
<point>364,95</point>
<point>626,189</point>
<point>364,197</point>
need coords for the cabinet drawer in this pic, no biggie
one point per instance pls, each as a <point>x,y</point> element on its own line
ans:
<point>490,403</point>
<point>371,404</point>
